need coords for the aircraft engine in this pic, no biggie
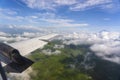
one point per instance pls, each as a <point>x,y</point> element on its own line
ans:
<point>11,53</point>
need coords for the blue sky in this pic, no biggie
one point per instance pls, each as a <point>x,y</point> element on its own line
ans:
<point>90,15</point>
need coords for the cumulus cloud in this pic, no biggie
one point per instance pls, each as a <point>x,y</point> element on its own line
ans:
<point>108,51</point>
<point>105,44</point>
<point>3,34</point>
<point>18,37</point>
<point>13,33</point>
<point>10,39</point>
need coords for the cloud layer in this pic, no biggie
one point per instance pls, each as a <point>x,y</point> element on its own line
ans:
<point>105,44</point>
<point>13,33</point>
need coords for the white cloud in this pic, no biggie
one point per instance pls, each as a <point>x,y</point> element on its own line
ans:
<point>65,23</point>
<point>31,34</point>
<point>108,51</point>
<point>12,39</point>
<point>7,37</point>
<point>105,44</point>
<point>41,19</point>
<point>112,7</point>
<point>7,15</point>
<point>40,4</point>
<point>89,4</point>
<point>3,34</point>
<point>74,5</point>
<point>8,11</point>
<point>48,4</point>
<point>65,2</point>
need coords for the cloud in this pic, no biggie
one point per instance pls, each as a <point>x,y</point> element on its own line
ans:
<point>39,4</point>
<point>65,23</point>
<point>31,34</point>
<point>8,11</point>
<point>3,34</point>
<point>104,44</point>
<point>47,4</point>
<point>65,2</point>
<point>40,19</point>
<point>108,51</point>
<point>8,38</point>
<point>19,29</point>
<point>112,7</point>
<point>107,19</point>
<point>89,4</point>
<point>74,5</point>
<point>7,15</point>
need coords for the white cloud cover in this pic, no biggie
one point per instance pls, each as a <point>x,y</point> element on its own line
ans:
<point>74,5</point>
<point>7,37</point>
<point>19,33</point>
<point>105,44</point>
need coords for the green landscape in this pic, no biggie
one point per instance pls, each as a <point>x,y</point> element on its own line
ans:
<point>66,65</point>
<point>58,61</point>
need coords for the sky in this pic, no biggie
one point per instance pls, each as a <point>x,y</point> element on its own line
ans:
<point>74,15</point>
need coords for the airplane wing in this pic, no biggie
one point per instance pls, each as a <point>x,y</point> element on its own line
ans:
<point>28,46</point>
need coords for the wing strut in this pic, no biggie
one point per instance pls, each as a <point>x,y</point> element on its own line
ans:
<point>3,75</point>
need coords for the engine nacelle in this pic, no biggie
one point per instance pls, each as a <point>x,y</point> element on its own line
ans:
<point>11,53</point>
<point>15,62</point>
